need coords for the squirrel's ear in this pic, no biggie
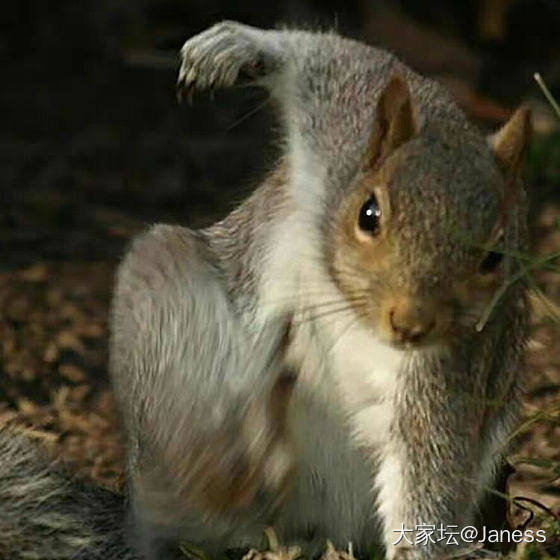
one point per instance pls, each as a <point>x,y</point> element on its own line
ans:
<point>394,123</point>
<point>509,144</point>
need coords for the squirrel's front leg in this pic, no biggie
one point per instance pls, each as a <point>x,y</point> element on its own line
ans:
<point>226,54</point>
<point>427,467</point>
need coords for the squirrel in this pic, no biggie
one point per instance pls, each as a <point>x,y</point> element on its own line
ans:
<point>332,358</point>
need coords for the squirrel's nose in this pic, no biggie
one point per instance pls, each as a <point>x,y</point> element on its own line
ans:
<point>410,324</point>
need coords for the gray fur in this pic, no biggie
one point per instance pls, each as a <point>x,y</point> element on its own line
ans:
<point>45,514</point>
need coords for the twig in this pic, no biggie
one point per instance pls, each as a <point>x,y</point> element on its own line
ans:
<point>547,94</point>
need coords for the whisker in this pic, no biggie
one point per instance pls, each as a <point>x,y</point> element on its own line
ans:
<point>318,305</point>
<point>353,320</point>
<point>300,295</point>
<point>249,114</point>
<point>332,312</point>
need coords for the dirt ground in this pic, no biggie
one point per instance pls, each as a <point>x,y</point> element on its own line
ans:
<point>535,452</point>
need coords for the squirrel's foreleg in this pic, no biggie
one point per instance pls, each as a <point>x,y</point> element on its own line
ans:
<point>227,54</point>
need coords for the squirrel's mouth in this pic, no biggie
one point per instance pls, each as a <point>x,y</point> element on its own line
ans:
<point>410,346</point>
<point>412,343</point>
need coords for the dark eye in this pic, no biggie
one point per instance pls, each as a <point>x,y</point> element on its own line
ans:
<point>369,216</point>
<point>491,262</point>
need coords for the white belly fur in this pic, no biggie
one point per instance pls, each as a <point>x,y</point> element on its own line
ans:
<point>342,404</point>
<point>339,417</point>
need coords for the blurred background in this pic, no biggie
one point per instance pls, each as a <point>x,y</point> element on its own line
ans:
<point>92,134</point>
<point>94,147</point>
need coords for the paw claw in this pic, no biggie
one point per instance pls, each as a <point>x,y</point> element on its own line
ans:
<point>218,56</point>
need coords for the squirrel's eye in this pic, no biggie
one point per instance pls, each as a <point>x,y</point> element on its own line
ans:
<point>491,262</point>
<point>369,216</point>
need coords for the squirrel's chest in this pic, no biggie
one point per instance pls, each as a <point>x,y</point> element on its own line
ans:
<point>352,373</point>
<point>341,408</point>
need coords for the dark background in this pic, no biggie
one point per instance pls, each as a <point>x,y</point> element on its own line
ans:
<point>93,144</point>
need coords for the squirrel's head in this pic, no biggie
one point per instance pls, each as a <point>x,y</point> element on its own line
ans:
<point>419,242</point>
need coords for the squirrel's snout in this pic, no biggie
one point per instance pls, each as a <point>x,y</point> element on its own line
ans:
<point>410,324</point>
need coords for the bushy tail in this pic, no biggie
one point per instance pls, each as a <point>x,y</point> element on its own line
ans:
<point>45,514</point>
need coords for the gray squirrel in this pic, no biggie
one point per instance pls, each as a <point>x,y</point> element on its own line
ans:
<point>330,359</point>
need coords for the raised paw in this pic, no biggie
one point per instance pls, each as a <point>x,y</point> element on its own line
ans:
<point>225,54</point>
<point>275,551</point>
